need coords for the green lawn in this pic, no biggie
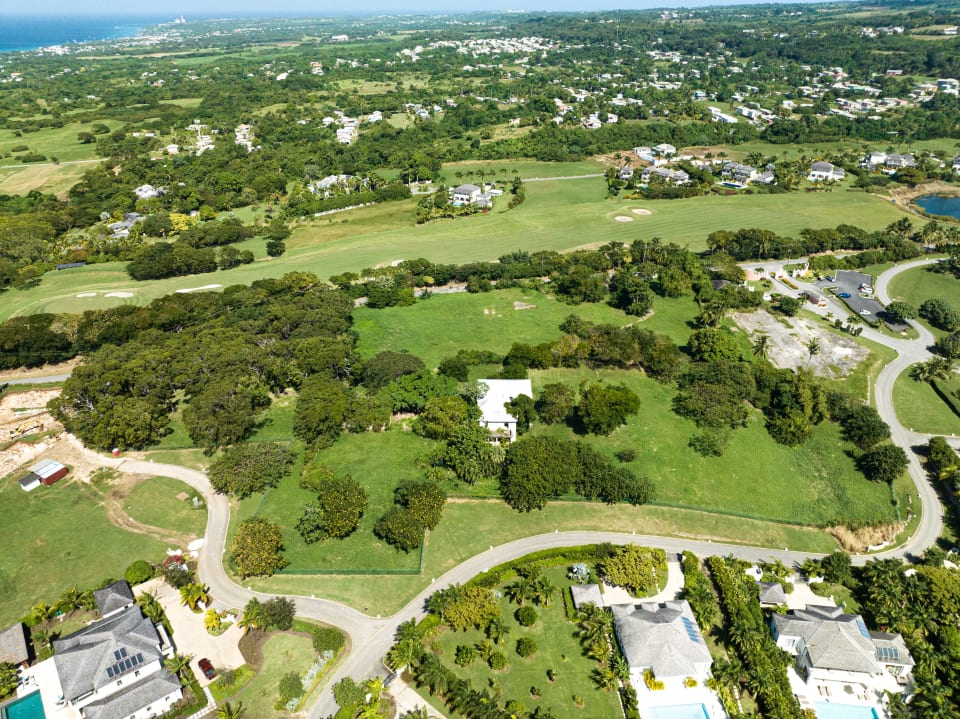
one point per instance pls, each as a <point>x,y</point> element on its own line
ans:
<point>46,177</point>
<point>815,484</point>
<point>557,215</point>
<point>921,284</point>
<point>283,653</point>
<point>59,142</point>
<point>379,461</point>
<point>471,527</point>
<point>920,409</point>
<point>155,502</point>
<point>557,649</point>
<point>444,324</point>
<point>57,537</point>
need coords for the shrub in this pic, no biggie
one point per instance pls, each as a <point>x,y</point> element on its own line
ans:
<point>526,647</point>
<point>535,691</point>
<point>327,639</point>
<point>497,661</point>
<point>626,455</point>
<point>290,687</point>
<point>139,572</point>
<point>526,616</point>
<point>465,655</point>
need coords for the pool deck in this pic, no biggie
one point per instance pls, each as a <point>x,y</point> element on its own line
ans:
<point>43,676</point>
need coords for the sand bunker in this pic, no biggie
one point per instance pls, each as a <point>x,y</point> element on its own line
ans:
<point>623,218</point>
<point>198,289</point>
<point>641,211</point>
<point>119,294</point>
<point>86,294</point>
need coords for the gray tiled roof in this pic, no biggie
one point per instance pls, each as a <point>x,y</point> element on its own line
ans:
<point>130,700</point>
<point>772,593</point>
<point>113,597</point>
<point>82,658</point>
<point>663,636</point>
<point>586,594</point>
<point>13,644</point>
<point>835,640</point>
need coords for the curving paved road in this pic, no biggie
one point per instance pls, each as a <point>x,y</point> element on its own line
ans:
<point>371,638</point>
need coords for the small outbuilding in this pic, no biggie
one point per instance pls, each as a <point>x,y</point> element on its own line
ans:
<point>494,394</point>
<point>13,645</point>
<point>47,471</point>
<point>30,482</point>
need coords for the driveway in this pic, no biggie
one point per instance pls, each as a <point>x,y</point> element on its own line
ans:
<point>190,636</point>
<point>849,282</point>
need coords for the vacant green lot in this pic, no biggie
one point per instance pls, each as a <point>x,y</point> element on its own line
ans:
<point>444,324</point>
<point>920,409</point>
<point>45,177</point>
<point>558,215</point>
<point>470,527</point>
<point>282,654</point>
<point>557,648</point>
<point>921,284</point>
<point>156,502</point>
<point>57,537</point>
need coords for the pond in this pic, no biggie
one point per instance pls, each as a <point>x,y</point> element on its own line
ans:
<point>940,205</point>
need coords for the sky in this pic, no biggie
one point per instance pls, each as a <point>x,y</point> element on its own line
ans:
<point>219,8</point>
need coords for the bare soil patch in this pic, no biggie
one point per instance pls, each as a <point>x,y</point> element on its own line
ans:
<point>523,306</point>
<point>113,503</point>
<point>44,371</point>
<point>788,344</point>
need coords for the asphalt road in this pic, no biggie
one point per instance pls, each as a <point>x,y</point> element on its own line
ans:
<point>370,638</point>
<point>37,380</point>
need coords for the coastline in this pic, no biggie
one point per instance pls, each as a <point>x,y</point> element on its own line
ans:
<point>41,32</point>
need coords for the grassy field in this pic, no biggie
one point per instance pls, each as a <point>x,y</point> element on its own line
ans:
<point>59,142</point>
<point>46,177</point>
<point>470,527</point>
<point>557,215</point>
<point>471,321</point>
<point>920,284</point>
<point>57,537</point>
<point>155,502</point>
<point>557,648</point>
<point>920,409</point>
<point>283,653</point>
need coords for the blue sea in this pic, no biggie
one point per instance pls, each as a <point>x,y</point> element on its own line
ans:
<point>25,32</point>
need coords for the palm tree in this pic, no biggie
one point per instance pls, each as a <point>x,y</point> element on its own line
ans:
<point>151,607</point>
<point>407,630</point>
<point>177,663</point>
<point>604,678</point>
<point>230,711</point>
<point>497,630</point>
<point>71,600</point>
<point>254,616</point>
<point>599,650</point>
<point>520,591</point>
<point>761,346</point>
<point>403,653</point>
<point>484,649</point>
<point>417,713</point>
<point>41,637</point>
<point>42,612</point>
<point>813,349</point>
<point>430,673</point>
<point>192,595</point>
<point>543,590</point>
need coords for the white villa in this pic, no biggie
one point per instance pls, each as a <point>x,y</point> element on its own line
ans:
<point>663,638</point>
<point>110,669</point>
<point>825,172</point>
<point>495,394</point>
<point>839,660</point>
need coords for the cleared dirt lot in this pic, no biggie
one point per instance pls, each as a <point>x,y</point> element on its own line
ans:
<point>788,345</point>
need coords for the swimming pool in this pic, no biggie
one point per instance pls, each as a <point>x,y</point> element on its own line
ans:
<point>828,710</point>
<point>681,711</point>
<point>28,707</point>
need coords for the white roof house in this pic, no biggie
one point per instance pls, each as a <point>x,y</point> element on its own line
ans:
<point>495,393</point>
<point>838,656</point>
<point>825,172</point>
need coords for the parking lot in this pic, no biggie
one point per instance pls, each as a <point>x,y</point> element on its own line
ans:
<point>868,309</point>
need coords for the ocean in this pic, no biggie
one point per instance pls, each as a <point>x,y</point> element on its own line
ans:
<point>25,32</point>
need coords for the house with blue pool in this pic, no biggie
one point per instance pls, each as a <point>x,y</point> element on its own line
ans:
<point>110,669</point>
<point>843,670</point>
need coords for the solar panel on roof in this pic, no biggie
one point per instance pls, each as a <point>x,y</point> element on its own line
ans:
<point>863,628</point>
<point>692,632</point>
<point>110,672</point>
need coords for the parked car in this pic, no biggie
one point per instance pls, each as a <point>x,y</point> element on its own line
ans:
<point>844,295</point>
<point>864,312</point>
<point>207,668</point>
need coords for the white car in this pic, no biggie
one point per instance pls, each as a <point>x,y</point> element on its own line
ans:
<point>864,312</point>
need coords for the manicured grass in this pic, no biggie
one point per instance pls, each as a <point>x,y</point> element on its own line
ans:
<point>379,461</point>
<point>439,327</point>
<point>557,215</point>
<point>59,142</point>
<point>57,537</point>
<point>282,654</point>
<point>557,648</point>
<point>920,409</point>
<point>45,177</point>
<point>471,527</point>
<point>815,484</point>
<point>155,502</point>
<point>918,285</point>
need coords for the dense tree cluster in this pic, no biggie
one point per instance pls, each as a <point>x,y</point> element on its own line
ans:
<point>246,469</point>
<point>257,548</point>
